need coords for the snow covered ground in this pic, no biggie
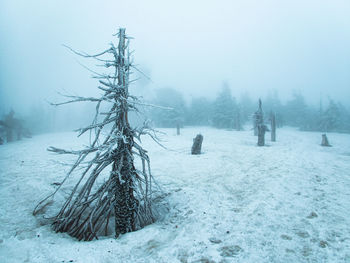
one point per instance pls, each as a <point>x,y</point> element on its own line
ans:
<point>286,202</point>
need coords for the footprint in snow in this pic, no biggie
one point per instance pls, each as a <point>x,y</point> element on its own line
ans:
<point>303,234</point>
<point>215,240</point>
<point>286,237</point>
<point>230,251</point>
<point>312,215</point>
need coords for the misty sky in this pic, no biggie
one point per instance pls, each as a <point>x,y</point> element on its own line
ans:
<point>193,46</point>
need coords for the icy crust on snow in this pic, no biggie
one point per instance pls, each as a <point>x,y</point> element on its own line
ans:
<point>286,202</point>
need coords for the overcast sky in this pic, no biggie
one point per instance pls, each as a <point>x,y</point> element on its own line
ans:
<point>193,46</point>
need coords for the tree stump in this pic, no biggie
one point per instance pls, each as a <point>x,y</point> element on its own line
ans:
<point>197,144</point>
<point>325,141</point>
<point>178,128</point>
<point>261,134</point>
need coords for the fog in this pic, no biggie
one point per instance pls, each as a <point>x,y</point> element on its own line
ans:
<point>192,46</point>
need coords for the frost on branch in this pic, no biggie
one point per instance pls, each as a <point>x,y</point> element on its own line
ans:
<point>124,198</point>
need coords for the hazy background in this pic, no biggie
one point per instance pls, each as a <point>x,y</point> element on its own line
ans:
<point>192,46</point>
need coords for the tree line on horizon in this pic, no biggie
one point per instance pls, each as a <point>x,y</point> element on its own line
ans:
<point>225,111</point>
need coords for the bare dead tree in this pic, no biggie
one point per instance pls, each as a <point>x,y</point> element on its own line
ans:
<point>125,194</point>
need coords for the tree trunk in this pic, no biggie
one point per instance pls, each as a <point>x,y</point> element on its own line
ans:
<point>197,144</point>
<point>273,127</point>
<point>123,167</point>
<point>261,134</point>
<point>125,203</point>
<point>325,141</point>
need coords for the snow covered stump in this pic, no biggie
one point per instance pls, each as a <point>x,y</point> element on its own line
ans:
<point>197,145</point>
<point>325,141</point>
<point>261,134</point>
<point>124,194</point>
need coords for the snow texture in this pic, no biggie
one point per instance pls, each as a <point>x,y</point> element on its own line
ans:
<point>286,202</point>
